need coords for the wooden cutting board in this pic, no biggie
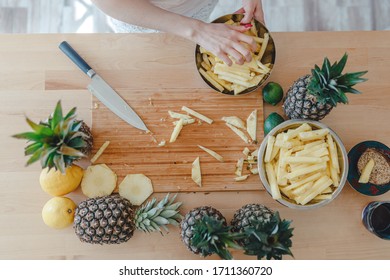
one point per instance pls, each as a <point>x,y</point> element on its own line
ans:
<point>132,151</point>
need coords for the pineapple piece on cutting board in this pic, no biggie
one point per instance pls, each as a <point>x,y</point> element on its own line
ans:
<point>136,188</point>
<point>98,180</point>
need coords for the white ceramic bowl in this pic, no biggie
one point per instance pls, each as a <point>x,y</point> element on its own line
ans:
<point>343,161</point>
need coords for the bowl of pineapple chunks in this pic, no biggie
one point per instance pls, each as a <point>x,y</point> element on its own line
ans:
<point>238,79</point>
<point>303,164</point>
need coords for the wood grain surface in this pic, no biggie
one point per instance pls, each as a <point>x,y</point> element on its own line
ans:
<point>34,74</point>
<point>132,151</point>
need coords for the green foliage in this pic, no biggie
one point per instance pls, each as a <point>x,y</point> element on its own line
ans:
<point>212,236</point>
<point>270,239</point>
<point>57,142</point>
<point>152,215</point>
<point>330,86</point>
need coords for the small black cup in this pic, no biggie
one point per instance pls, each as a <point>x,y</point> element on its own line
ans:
<point>376,218</point>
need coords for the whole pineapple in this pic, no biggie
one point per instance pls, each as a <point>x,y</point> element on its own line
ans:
<point>112,219</point>
<point>265,234</point>
<point>204,231</point>
<point>314,96</point>
<point>58,141</point>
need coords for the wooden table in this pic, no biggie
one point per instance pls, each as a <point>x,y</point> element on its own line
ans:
<point>34,74</point>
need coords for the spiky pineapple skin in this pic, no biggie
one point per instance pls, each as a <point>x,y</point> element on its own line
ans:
<point>88,139</point>
<point>104,220</point>
<point>243,216</point>
<point>300,104</point>
<point>186,225</point>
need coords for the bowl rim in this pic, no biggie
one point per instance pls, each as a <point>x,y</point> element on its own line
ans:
<point>221,19</point>
<point>340,145</point>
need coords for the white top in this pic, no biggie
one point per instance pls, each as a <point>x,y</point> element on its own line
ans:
<point>199,9</point>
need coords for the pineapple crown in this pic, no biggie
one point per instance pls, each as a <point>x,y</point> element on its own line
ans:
<point>329,85</point>
<point>152,216</point>
<point>56,142</point>
<point>271,239</point>
<point>212,236</point>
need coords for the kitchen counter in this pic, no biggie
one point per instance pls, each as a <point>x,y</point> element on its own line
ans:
<point>34,74</point>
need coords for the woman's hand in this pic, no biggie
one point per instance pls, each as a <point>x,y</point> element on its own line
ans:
<point>225,41</point>
<point>251,9</point>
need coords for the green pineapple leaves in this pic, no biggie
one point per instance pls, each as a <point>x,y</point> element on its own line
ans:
<point>268,239</point>
<point>212,236</point>
<point>153,216</point>
<point>57,142</point>
<point>329,85</point>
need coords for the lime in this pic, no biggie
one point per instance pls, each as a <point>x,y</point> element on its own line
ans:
<point>272,121</point>
<point>272,93</point>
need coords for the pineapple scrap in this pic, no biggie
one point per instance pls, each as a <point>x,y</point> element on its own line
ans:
<point>239,133</point>
<point>178,115</point>
<point>246,151</point>
<point>241,178</point>
<point>196,175</point>
<point>235,121</point>
<point>162,143</point>
<point>197,115</point>
<point>176,131</point>
<point>251,125</point>
<point>212,153</point>
<point>186,121</point>
<point>100,151</point>
<point>239,167</point>
<point>136,188</point>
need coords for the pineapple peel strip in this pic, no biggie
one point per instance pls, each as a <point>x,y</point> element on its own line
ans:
<point>100,151</point>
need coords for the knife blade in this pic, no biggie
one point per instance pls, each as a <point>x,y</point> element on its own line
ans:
<point>103,91</point>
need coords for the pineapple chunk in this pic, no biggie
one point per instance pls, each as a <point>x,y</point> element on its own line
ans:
<point>176,131</point>
<point>196,174</point>
<point>197,115</point>
<point>241,178</point>
<point>175,115</point>
<point>239,133</point>
<point>100,151</point>
<point>251,125</point>
<point>136,188</point>
<point>365,176</point>
<point>239,166</point>
<point>212,153</point>
<point>235,121</point>
<point>98,180</point>
<point>270,146</point>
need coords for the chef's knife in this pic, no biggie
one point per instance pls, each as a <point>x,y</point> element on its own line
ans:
<point>99,88</point>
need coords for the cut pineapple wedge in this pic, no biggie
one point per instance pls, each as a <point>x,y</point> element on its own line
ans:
<point>98,180</point>
<point>239,133</point>
<point>212,153</point>
<point>251,125</point>
<point>366,173</point>
<point>196,174</point>
<point>235,121</point>
<point>136,188</point>
<point>176,131</point>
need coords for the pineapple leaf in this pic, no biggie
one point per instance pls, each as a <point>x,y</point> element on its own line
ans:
<point>326,68</point>
<point>57,116</point>
<point>71,114</point>
<point>39,128</point>
<point>212,236</point>
<point>338,68</point>
<point>59,163</point>
<point>32,148</point>
<point>30,136</point>
<point>69,151</point>
<point>77,143</point>
<point>35,157</point>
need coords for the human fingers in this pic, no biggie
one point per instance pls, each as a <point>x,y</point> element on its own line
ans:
<point>225,58</point>
<point>247,54</point>
<point>237,56</point>
<point>249,8</point>
<point>240,11</point>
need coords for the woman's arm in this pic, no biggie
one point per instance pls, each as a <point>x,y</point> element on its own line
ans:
<point>220,39</point>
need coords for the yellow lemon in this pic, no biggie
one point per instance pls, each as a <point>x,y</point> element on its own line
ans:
<point>58,212</point>
<point>57,184</point>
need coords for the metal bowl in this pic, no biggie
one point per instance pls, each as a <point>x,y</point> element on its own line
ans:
<point>343,161</point>
<point>268,57</point>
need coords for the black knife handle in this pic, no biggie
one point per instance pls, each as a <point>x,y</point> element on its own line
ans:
<point>76,58</point>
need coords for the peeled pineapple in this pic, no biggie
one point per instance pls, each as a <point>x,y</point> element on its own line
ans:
<point>98,180</point>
